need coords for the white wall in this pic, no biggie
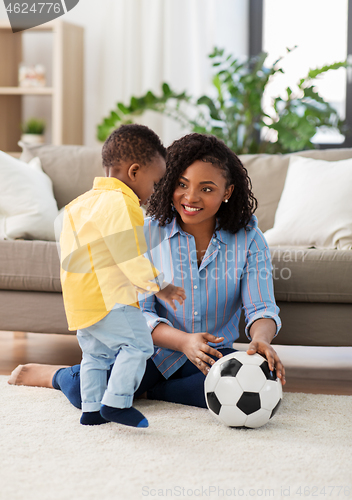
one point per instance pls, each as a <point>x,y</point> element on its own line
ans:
<point>134,45</point>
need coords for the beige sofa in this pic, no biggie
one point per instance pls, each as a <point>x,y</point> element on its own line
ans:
<point>315,302</point>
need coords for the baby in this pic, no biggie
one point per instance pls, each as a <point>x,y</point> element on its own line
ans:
<point>103,269</point>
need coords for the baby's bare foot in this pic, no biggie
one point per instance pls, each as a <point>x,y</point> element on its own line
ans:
<point>34,374</point>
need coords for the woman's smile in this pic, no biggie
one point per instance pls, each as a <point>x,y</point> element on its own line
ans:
<point>191,210</point>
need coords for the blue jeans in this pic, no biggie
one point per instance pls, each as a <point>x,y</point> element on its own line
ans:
<point>185,386</point>
<point>121,340</point>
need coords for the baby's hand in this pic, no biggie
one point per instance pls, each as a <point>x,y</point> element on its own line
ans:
<point>171,293</point>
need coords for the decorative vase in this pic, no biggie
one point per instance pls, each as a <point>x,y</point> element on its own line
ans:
<point>33,138</point>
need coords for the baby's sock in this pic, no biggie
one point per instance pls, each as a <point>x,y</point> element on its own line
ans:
<point>125,416</point>
<point>92,418</point>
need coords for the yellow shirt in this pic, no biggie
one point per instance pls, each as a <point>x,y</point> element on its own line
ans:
<point>102,245</point>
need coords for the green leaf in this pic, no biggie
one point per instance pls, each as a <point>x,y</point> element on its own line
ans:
<point>313,73</point>
<point>166,89</point>
<point>123,108</point>
<point>134,104</point>
<point>150,98</point>
<point>109,122</point>
<point>212,108</point>
<point>103,132</point>
<point>217,83</point>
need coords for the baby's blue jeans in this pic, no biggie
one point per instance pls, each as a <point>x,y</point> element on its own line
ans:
<point>121,339</point>
<point>185,386</point>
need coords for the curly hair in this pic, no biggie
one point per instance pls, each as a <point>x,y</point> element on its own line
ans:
<point>136,143</point>
<point>231,216</point>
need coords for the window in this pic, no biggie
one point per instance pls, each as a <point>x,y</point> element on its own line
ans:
<point>320,31</point>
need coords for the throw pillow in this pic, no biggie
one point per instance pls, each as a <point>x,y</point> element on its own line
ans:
<point>27,204</point>
<point>315,208</point>
<point>268,174</point>
<point>71,168</point>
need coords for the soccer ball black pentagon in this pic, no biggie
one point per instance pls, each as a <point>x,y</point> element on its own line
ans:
<point>241,391</point>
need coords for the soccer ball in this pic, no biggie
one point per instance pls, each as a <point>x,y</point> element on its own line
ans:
<point>241,391</point>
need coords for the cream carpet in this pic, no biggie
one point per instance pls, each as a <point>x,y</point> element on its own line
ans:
<point>46,454</point>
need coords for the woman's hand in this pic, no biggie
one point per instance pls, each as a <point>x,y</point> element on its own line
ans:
<point>262,332</point>
<point>198,351</point>
<point>171,293</point>
<point>265,349</point>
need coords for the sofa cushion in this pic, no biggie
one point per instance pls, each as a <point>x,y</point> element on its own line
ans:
<point>315,208</point>
<point>38,312</point>
<point>29,265</point>
<point>27,205</point>
<point>300,275</point>
<point>311,323</point>
<point>71,168</point>
<point>268,174</point>
<point>312,275</point>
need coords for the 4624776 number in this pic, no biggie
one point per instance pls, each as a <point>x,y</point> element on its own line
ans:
<point>328,491</point>
<point>34,8</point>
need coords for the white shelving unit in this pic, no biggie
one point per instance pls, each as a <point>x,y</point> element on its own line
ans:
<point>66,92</point>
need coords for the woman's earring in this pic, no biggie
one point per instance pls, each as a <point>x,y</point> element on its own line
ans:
<point>226,201</point>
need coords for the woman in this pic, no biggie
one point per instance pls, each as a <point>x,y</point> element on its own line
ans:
<point>204,237</point>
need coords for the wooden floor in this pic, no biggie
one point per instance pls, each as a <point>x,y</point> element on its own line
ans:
<point>21,348</point>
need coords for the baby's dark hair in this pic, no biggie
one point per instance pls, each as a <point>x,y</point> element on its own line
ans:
<point>135,143</point>
<point>231,216</point>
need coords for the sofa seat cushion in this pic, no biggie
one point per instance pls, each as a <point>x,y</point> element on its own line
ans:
<point>312,275</point>
<point>300,274</point>
<point>29,265</point>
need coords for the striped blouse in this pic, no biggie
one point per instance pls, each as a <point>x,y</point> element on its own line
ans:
<point>235,272</point>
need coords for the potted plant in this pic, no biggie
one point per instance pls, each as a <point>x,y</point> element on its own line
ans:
<point>234,110</point>
<point>33,131</point>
